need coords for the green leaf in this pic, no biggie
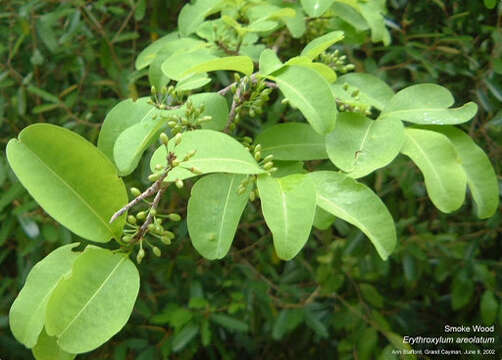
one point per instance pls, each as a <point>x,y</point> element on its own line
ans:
<point>372,90</point>
<point>155,75</point>
<point>214,210</point>
<point>148,54</point>
<point>312,320</point>
<point>315,8</point>
<point>372,13</point>
<point>355,203</point>
<point>435,156</point>
<point>269,62</point>
<point>322,69</point>
<point>72,180</point>
<point>192,82</point>
<point>242,64</point>
<point>321,44</point>
<point>310,93</point>
<point>323,219</point>
<point>481,177</point>
<point>122,116</point>
<point>43,94</point>
<point>427,104</point>
<point>187,334</point>
<point>177,66</point>
<point>287,321</point>
<point>296,25</point>
<point>88,308</point>
<point>462,290</point>
<point>215,105</point>
<point>48,349</point>
<point>359,145</point>
<point>133,141</point>
<point>27,314</point>
<point>489,307</point>
<point>192,15</point>
<point>288,206</point>
<point>371,295</point>
<point>292,141</point>
<point>215,152</point>
<point>205,333</point>
<point>229,322</point>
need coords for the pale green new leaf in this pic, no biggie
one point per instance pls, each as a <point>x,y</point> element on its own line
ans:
<point>372,90</point>
<point>269,62</point>
<point>357,204</point>
<point>311,94</point>
<point>215,105</point>
<point>359,145</point>
<point>427,104</point>
<point>177,65</point>
<point>324,70</point>
<point>372,13</point>
<point>148,54</point>
<point>323,219</point>
<point>214,210</point>
<point>320,44</point>
<point>288,205</point>
<point>296,25</point>
<point>192,15</point>
<point>122,116</point>
<point>72,180</point>
<point>215,152</point>
<point>315,8</point>
<point>48,349</point>
<point>192,82</point>
<point>88,308</point>
<point>481,177</point>
<point>27,314</point>
<point>435,156</point>
<point>292,141</point>
<point>242,64</point>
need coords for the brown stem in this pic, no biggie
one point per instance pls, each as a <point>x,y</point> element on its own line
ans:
<point>144,228</point>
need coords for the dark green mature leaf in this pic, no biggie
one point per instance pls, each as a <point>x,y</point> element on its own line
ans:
<point>229,322</point>
<point>72,180</point>
<point>215,152</point>
<point>355,203</point>
<point>27,314</point>
<point>320,44</point>
<point>481,177</point>
<point>292,141</point>
<point>48,349</point>
<point>214,210</point>
<point>184,337</point>
<point>100,294</point>
<point>435,156</point>
<point>122,116</point>
<point>286,322</point>
<point>288,205</point>
<point>359,145</point>
<point>427,104</point>
<point>489,307</point>
<point>310,93</point>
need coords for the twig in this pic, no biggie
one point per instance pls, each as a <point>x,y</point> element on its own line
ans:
<point>144,228</point>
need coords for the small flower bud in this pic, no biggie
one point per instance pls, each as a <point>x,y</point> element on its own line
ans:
<point>196,171</point>
<point>172,123</point>
<point>153,212</point>
<point>268,165</point>
<point>135,191</point>
<point>169,234</point>
<point>165,240</point>
<point>268,158</point>
<point>154,177</point>
<point>153,90</point>
<point>163,90</point>
<point>175,162</point>
<point>151,227</point>
<point>179,183</point>
<point>241,189</point>
<point>156,251</point>
<point>126,238</point>
<point>164,139</point>
<point>257,148</point>
<point>252,196</point>
<point>131,219</point>
<point>177,139</point>
<point>174,217</point>
<point>257,155</point>
<point>140,256</point>
<point>141,215</point>
<point>190,155</point>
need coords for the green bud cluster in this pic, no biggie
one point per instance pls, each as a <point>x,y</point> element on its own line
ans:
<point>336,61</point>
<point>191,119</point>
<point>354,105</point>
<point>167,96</point>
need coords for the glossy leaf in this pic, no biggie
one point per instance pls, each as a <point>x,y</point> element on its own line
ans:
<point>242,64</point>
<point>269,62</point>
<point>48,349</point>
<point>177,66</point>
<point>359,145</point>
<point>322,69</point>
<point>310,93</point>
<point>214,210</point>
<point>148,54</point>
<point>316,8</point>
<point>297,24</point>
<point>357,204</point>
<point>100,294</point>
<point>435,156</point>
<point>372,11</point>
<point>122,116</point>
<point>192,15</point>
<point>323,219</point>
<point>321,44</point>
<point>288,206</point>
<point>292,141</point>
<point>372,90</point>
<point>27,314</point>
<point>215,152</point>
<point>427,104</point>
<point>481,177</point>
<point>72,180</point>
<point>192,82</point>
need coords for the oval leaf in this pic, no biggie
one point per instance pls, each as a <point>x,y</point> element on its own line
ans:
<point>435,156</point>
<point>242,64</point>
<point>355,203</point>
<point>372,90</point>
<point>481,177</point>
<point>320,44</point>
<point>214,210</point>
<point>91,306</point>
<point>48,349</point>
<point>359,145</point>
<point>72,180</point>
<point>177,65</point>
<point>192,15</point>
<point>428,104</point>
<point>215,152</point>
<point>316,8</point>
<point>269,62</point>
<point>27,314</point>
<point>288,205</point>
<point>292,141</point>
<point>310,93</point>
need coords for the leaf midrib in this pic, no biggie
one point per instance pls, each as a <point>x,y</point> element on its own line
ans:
<point>225,206</point>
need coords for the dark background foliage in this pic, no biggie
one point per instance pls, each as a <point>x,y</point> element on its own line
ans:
<point>69,62</point>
